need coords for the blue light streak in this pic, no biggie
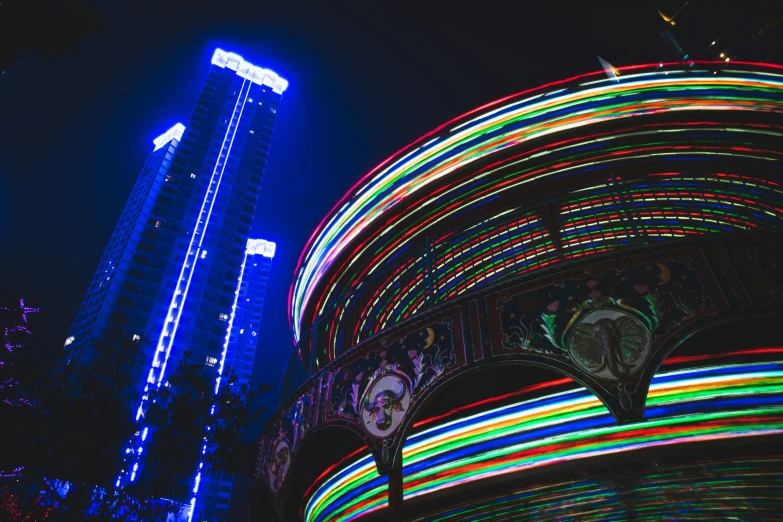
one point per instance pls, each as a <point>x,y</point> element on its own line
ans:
<point>225,344</point>
<point>199,231</point>
<point>174,313</point>
<point>220,374</point>
<point>228,330</point>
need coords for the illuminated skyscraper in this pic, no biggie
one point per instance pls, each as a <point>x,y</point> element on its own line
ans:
<point>169,275</point>
<point>250,304</point>
<point>214,492</point>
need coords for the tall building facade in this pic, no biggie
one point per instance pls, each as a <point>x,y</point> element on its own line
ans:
<point>214,492</point>
<point>168,278</point>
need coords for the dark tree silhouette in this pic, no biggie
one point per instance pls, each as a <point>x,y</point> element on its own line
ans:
<point>13,321</point>
<point>15,404</point>
<point>12,510</point>
<point>71,442</point>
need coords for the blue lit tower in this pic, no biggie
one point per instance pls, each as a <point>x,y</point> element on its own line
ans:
<point>119,292</point>
<point>214,492</point>
<point>169,273</point>
<point>250,305</point>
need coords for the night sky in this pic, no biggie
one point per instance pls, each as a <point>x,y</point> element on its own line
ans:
<point>77,126</point>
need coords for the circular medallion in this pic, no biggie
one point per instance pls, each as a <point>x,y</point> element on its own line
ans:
<point>278,465</point>
<point>610,344</point>
<point>385,403</point>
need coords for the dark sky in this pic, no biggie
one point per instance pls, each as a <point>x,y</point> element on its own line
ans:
<point>75,128</point>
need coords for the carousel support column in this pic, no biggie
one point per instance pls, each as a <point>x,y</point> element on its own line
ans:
<point>396,513</point>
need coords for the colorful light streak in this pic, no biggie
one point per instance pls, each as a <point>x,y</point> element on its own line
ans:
<point>657,207</point>
<point>730,489</point>
<point>460,263</point>
<point>445,174</point>
<point>668,205</point>
<point>683,406</point>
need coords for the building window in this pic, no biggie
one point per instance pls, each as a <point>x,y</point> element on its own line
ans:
<point>158,223</point>
<point>192,175</point>
<point>252,131</point>
<point>168,177</point>
<point>211,361</point>
<point>203,254</point>
<point>70,340</point>
<point>223,317</point>
<point>136,337</point>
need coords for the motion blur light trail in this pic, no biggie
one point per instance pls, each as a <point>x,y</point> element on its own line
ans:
<point>658,113</point>
<point>596,219</point>
<point>667,206</point>
<point>738,489</point>
<point>686,405</point>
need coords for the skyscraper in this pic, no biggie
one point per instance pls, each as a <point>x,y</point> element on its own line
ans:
<point>169,275</point>
<point>214,493</point>
<point>250,304</point>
